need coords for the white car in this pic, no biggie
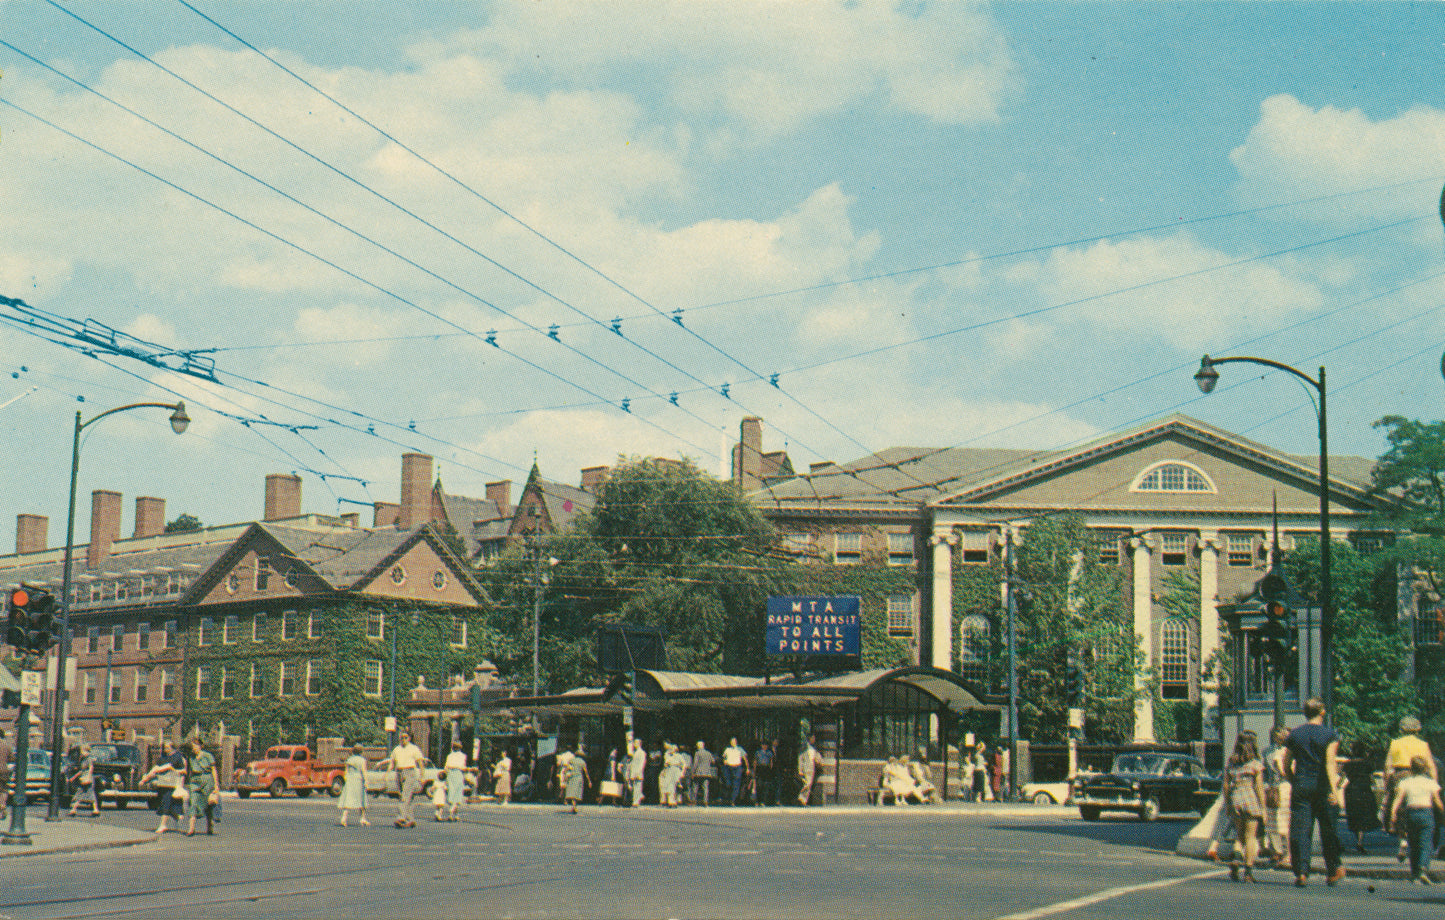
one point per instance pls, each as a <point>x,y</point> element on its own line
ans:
<point>381,779</point>
<point>1048,793</point>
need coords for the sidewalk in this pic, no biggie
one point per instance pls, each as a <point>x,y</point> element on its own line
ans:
<point>71,835</point>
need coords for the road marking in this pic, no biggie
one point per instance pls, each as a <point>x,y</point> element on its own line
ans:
<point>1108,895</point>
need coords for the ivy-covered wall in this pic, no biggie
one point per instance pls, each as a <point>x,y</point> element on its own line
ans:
<point>340,649</point>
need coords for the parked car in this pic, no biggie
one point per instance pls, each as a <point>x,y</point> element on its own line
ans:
<point>1059,793</point>
<point>1147,784</point>
<point>381,779</point>
<point>37,778</point>
<point>289,767</point>
<point>118,769</point>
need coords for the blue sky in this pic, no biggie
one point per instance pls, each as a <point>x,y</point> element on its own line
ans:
<point>938,224</point>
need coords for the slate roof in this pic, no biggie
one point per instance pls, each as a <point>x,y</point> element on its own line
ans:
<point>902,479</point>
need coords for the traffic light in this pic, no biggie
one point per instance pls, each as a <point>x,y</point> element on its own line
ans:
<point>624,689</point>
<point>1076,685</point>
<point>1277,634</point>
<point>17,622</point>
<point>44,627</point>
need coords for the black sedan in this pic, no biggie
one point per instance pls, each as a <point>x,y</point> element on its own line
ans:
<point>1147,784</point>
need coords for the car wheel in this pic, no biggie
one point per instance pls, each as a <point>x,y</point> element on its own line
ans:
<point>1150,809</point>
<point>276,788</point>
<point>1043,798</point>
<point>337,785</point>
<point>1089,814</point>
<point>243,793</point>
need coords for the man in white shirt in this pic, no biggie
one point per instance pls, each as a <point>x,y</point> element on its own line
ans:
<point>406,760</point>
<point>636,770</point>
<point>735,764</point>
<point>808,763</point>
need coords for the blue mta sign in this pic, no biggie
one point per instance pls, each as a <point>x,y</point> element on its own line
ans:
<point>814,626</point>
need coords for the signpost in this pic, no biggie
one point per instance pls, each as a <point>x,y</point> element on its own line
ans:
<point>830,626</point>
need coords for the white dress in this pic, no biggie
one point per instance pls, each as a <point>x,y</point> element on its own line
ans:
<point>353,793</point>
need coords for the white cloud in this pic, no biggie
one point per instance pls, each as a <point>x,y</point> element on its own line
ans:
<point>1296,152</point>
<point>773,66</point>
<point>1200,306</point>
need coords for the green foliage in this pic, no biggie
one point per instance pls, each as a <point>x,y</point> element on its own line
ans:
<point>1413,469</point>
<point>1372,654</point>
<point>185,523</point>
<point>1068,604</point>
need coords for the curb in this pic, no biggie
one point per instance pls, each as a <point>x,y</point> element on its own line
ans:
<point>32,850</point>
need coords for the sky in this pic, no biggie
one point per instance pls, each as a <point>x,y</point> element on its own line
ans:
<point>566,232</point>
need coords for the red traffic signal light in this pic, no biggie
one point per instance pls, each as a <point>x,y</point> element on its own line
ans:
<point>19,598</point>
<point>17,625</point>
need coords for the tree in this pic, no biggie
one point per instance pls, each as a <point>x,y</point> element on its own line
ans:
<point>185,523</point>
<point>1412,470</point>
<point>1074,607</point>
<point>666,545</point>
<point>1372,655</point>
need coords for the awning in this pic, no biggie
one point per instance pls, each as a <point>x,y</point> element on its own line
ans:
<point>662,690</point>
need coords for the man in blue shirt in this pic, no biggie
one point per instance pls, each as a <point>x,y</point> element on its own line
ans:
<point>1311,764</point>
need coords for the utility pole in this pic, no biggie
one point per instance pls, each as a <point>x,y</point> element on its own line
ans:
<point>1013,678</point>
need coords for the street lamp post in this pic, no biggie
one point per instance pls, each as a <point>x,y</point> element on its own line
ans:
<point>1207,377</point>
<point>179,422</point>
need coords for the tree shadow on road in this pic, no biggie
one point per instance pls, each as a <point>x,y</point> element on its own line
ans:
<point>1162,835</point>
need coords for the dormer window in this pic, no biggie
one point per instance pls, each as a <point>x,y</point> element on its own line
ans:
<point>1173,476</point>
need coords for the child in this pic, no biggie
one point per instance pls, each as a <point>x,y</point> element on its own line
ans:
<point>439,797</point>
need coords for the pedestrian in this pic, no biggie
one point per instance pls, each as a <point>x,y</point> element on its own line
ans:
<point>980,773</point>
<point>7,754</point>
<point>966,779</point>
<point>809,760</point>
<point>576,779</point>
<point>765,773</point>
<point>636,771</point>
<point>456,780</point>
<point>897,782</point>
<point>406,761</point>
<point>1402,751</point>
<point>83,782</point>
<point>1244,796</point>
<point>684,784</point>
<point>203,787</point>
<point>997,770</point>
<point>735,765</point>
<point>1312,765</point>
<point>671,775</point>
<point>1362,810</point>
<point>564,757</point>
<point>353,789</point>
<point>1417,804</point>
<point>169,776</point>
<point>704,771</point>
<point>502,778</point>
<point>1276,797</point>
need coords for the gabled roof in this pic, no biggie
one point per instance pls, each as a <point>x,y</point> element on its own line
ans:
<point>1306,471</point>
<point>903,480</point>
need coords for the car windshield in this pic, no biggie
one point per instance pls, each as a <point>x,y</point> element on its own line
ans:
<point>1137,763</point>
<point>41,758</point>
<point>104,752</point>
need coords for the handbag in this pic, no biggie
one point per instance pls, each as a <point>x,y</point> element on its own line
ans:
<point>180,794</point>
<point>610,789</point>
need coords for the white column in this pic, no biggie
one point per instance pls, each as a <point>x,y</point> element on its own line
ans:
<point>943,541</point>
<point>1209,547</point>
<point>1143,631</point>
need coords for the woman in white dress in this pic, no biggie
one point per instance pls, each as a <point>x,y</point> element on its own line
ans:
<point>899,783</point>
<point>353,793</point>
<point>502,774</point>
<point>457,770</point>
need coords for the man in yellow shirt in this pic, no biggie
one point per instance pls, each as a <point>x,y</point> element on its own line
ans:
<point>1397,766</point>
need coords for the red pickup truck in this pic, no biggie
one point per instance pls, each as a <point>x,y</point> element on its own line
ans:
<point>293,767</point>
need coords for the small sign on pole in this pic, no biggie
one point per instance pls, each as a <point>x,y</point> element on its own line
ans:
<point>390,723</point>
<point>31,684</point>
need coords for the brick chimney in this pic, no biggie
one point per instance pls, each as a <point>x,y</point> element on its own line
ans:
<point>593,477</point>
<point>501,494</point>
<point>748,455</point>
<point>416,482</point>
<point>283,496</point>
<point>31,533</point>
<point>104,525</point>
<point>385,514</point>
<point>150,516</point>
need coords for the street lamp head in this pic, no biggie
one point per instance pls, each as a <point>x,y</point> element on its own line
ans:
<point>180,421</point>
<point>1206,376</point>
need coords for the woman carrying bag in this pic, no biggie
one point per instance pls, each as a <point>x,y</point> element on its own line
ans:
<point>84,781</point>
<point>203,788</point>
<point>169,775</point>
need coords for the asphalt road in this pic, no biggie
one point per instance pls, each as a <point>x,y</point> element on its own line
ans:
<point>288,858</point>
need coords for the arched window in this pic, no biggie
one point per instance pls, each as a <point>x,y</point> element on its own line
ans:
<point>1174,659</point>
<point>973,647</point>
<point>1173,476</point>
